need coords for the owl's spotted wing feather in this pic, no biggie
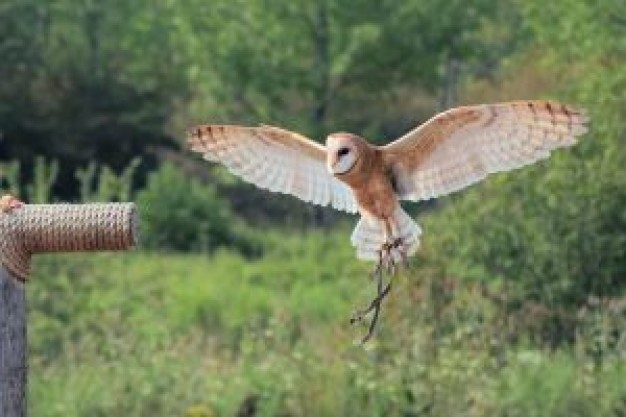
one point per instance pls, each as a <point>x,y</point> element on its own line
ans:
<point>274,159</point>
<point>462,146</point>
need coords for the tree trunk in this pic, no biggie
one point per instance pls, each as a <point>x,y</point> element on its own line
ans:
<point>321,70</point>
<point>12,346</point>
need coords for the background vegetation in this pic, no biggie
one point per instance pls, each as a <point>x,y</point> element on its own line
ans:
<point>237,302</point>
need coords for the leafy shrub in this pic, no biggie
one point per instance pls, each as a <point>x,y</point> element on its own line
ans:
<point>181,213</point>
<point>99,182</point>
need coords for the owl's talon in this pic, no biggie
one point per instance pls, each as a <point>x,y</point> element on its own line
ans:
<point>8,203</point>
<point>393,253</point>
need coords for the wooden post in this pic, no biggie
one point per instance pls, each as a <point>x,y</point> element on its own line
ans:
<point>33,229</point>
<point>12,346</point>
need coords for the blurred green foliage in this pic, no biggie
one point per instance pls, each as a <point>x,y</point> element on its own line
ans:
<point>181,213</point>
<point>557,231</point>
<point>101,183</point>
<point>109,82</point>
<point>86,83</point>
<point>154,334</point>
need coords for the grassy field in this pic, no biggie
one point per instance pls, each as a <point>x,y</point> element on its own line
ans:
<point>190,335</point>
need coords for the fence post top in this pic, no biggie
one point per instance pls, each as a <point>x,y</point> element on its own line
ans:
<point>37,228</point>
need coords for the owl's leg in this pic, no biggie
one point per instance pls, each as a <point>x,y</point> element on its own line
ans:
<point>381,293</point>
<point>385,250</point>
<point>376,303</point>
<point>392,251</point>
<point>9,203</point>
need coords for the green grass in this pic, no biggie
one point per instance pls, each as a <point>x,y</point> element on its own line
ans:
<point>144,333</point>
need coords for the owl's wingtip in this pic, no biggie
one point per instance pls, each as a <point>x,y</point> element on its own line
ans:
<point>194,139</point>
<point>193,132</point>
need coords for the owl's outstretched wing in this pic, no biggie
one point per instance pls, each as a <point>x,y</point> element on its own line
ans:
<point>461,146</point>
<point>274,159</point>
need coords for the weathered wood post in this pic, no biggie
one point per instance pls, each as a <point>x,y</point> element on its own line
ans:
<point>40,228</point>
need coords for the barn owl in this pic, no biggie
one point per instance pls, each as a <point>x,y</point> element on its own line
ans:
<point>447,153</point>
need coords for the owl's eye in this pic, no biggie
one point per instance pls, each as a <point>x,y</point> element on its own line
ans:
<point>343,151</point>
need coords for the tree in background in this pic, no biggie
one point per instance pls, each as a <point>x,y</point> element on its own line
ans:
<point>112,81</point>
<point>89,82</point>
<point>325,65</point>
<point>372,67</point>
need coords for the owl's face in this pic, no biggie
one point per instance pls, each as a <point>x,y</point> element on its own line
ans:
<point>343,152</point>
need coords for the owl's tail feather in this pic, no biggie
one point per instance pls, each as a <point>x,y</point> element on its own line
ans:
<point>369,236</point>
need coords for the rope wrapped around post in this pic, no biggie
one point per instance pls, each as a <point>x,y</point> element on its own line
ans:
<point>41,228</point>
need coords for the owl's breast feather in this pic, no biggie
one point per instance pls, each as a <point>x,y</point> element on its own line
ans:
<point>376,197</point>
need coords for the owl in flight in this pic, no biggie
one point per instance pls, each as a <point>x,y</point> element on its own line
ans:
<point>449,152</point>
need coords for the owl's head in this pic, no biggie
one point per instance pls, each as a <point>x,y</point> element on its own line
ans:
<point>342,152</point>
